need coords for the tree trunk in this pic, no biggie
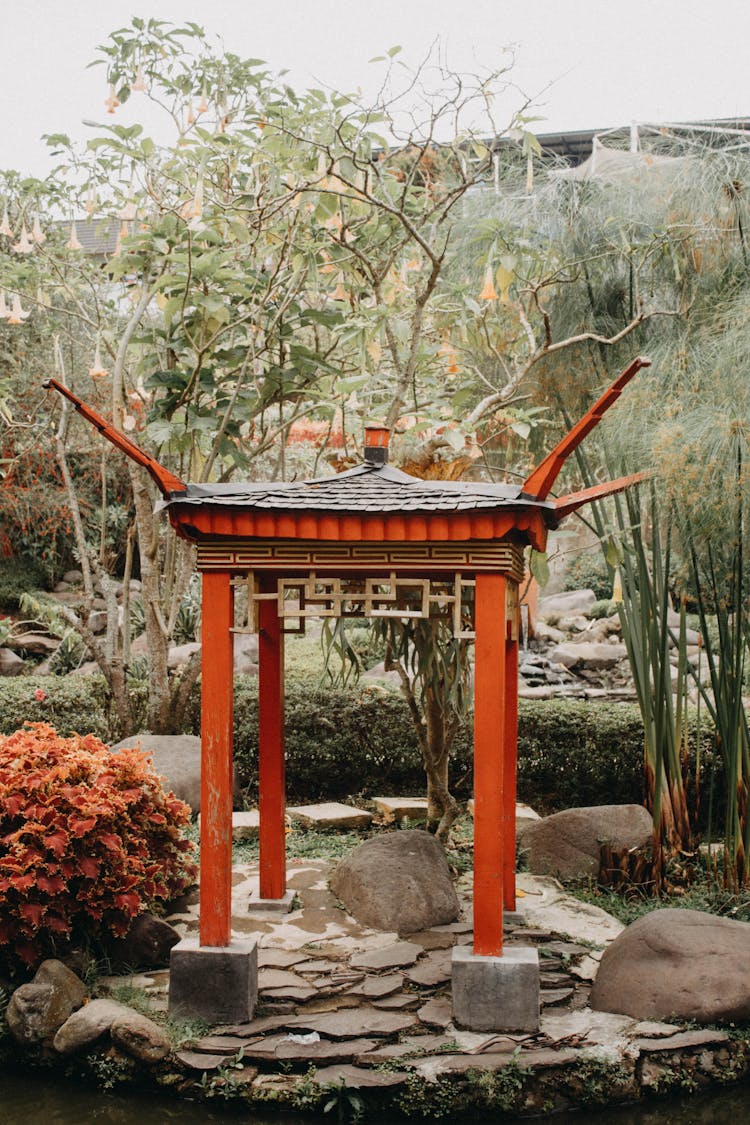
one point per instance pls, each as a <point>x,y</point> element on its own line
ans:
<point>158,715</point>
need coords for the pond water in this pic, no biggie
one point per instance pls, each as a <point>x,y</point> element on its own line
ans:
<point>44,1101</point>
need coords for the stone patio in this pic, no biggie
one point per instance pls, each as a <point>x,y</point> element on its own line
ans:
<point>347,1000</point>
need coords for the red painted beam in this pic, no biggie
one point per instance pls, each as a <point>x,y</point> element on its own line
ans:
<point>271,758</point>
<point>217,726</point>
<point>540,483</point>
<point>489,747</point>
<point>166,481</point>
<point>566,505</point>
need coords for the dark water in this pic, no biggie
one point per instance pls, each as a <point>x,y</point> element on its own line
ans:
<point>32,1099</point>
<point>37,1100</point>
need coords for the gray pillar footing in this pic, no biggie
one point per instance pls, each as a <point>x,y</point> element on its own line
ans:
<point>218,984</point>
<point>513,918</point>
<point>496,993</point>
<point>271,905</point>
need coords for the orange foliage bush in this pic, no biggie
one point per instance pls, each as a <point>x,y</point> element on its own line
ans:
<point>88,840</point>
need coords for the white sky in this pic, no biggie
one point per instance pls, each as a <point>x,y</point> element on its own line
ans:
<point>587,63</point>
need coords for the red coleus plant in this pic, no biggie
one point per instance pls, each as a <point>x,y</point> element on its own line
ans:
<point>88,840</point>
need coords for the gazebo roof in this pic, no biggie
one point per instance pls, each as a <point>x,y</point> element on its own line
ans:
<point>371,491</point>
<point>365,488</point>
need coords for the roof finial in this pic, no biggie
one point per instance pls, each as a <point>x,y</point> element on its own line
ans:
<point>376,444</point>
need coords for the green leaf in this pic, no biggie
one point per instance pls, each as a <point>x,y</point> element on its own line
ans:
<point>539,566</point>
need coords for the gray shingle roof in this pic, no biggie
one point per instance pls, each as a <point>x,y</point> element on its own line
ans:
<point>366,488</point>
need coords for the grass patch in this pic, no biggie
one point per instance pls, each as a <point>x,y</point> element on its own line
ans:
<point>705,894</point>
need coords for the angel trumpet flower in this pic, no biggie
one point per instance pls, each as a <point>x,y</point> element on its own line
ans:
<point>5,227</point>
<point>112,101</point>
<point>24,244</point>
<point>73,243</point>
<point>98,371</point>
<point>4,314</point>
<point>489,292</point>
<point>37,233</point>
<point>17,314</point>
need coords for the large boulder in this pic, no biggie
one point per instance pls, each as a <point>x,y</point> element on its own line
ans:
<point>177,759</point>
<point>571,603</point>
<point>10,663</point>
<point>567,843</point>
<point>37,1009</point>
<point>139,1037</point>
<point>145,946</point>
<point>88,1025</point>
<point>398,881</point>
<point>595,655</point>
<point>677,963</point>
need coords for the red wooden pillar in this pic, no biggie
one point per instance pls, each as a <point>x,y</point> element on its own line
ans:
<point>489,747</point>
<point>510,760</point>
<point>217,728</point>
<point>271,763</point>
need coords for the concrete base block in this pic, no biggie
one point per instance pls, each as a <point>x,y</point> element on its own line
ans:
<point>273,905</point>
<point>218,984</point>
<point>496,993</point>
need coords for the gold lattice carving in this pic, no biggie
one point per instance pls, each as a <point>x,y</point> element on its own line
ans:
<point>392,596</point>
<point>291,555</point>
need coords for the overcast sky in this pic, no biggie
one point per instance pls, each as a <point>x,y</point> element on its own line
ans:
<point>587,63</point>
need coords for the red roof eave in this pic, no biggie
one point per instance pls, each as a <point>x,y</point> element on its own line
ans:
<point>214,522</point>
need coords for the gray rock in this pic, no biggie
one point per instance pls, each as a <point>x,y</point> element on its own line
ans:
<point>38,643</point>
<point>145,946</point>
<point>88,1024</point>
<point>139,1037</point>
<point>36,1010</point>
<point>569,604</point>
<point>72,577</point>
<point>89,668</point>
<point>10,664</point>
<point>398,881</point>
<point>567,843</point>
<point>548,633</point>
<point>680,964</point>
<point>180,654</point>
<point>596,655</point>
<point>246,653</point>
<point>98,621</point>
<point>177,759</point>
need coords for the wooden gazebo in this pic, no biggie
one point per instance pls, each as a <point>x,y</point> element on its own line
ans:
<point>372,541</point>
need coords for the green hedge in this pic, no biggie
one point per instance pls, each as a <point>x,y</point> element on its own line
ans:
<point>360,742</point>
<point>71,704</point>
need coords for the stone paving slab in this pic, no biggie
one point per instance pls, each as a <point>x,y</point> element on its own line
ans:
<point>389,957</point>
<point>433,969</point>
<point>358,1077</point>
<point>396,808</point>
<point>280,1048</point>
<point>376,987</point>
<point>331,814</point>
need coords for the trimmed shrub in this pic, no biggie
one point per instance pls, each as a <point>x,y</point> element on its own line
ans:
<point>340,743</point>
<point>88,840</point>
<point>360,741</point>
<point>71,704</point>
<point>589,571</point>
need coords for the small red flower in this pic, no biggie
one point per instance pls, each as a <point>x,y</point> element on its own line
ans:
<point>40,695</point>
